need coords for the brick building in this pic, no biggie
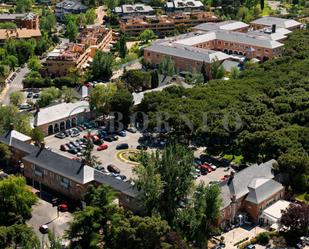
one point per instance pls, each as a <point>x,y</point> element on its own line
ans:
<point>79,54</point>
<point>27,26</point>
<point>165,24</point>
<point>45,169</point>
<point>59,117</point>
<point>229,25</point>
<point>247,193</point>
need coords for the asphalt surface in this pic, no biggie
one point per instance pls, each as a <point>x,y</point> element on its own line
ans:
<point>15,85</point>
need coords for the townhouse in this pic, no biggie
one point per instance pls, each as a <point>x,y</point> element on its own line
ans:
<point>48,170</point>
<point>165,24</point>
<point>246,194</point>
<point>79,54</point>
<point>27,26</point>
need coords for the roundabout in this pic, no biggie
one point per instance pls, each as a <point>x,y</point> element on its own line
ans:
<point>129,156</point>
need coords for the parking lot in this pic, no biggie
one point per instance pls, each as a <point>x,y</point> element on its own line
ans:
<point>109,156</point>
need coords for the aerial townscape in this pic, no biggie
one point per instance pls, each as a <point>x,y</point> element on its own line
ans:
<point>154,124</point>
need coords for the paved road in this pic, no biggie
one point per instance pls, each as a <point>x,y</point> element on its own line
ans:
<point>15,85</point>
<point>44,213</point>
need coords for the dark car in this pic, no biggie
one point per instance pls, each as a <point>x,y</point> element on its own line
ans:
<point>141,147</point>
<point>75,144</point>
<point>60,135</point>
<point>113,169</point>
<point>73,151</point>
<point>67,133</point>
<point>63,147</point>
<point>115,138</point>
<point>36,96</point>
<point>109,139</point>
<point>123,146</point>
<point>29,95</point>
<point>43,229</point>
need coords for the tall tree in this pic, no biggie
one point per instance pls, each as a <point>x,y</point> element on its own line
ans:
<point>5,153</point>
<point>100,97</point>
<point>147,35</point>
<point>16,200</point>
<point>216,69</point>
<point>71,30</point>
<point>85,227</point>
<point>204,72</point>
<point>262,4</point>
<point>149,184</point>
<point>17,98</point>
<point>37,135</point>
<point>68,94</point>
<point>87,156</point>
<point>123,46</point>
<point>90,16</point>
<point>167,66</point>
<point>34,63</point>
<point>154,79</point>
<point>295,219</point>
<point>102,65</point>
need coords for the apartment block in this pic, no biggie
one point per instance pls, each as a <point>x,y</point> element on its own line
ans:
<point>68,7</point>
<point>269,21</point>
<point>165,24</point>
<point>127,11</point>
<point>79,54</point>
<point>27,26</point>
<point>184,6</point>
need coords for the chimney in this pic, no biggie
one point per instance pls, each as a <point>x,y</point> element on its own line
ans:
<point>273,28</point>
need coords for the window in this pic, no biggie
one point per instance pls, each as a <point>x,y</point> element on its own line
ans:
<point>64,182</point>
<point>38,171</point>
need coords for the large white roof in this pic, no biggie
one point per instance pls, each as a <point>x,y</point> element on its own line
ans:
<point>280,22</point>
<point>59,111</point>
<point>274,211</point>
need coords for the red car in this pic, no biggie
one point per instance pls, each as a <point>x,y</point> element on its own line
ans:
<point>63,147</point>
<point>91,136</point>
<point>206,168</point>
<point>224,178</point>
<point>95,138</point>
<point>102,147</point>
<point>63,207</point>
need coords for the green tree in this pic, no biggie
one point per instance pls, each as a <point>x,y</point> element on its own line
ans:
<point>235,73</point>
<point>37,135</point>
<point>34,63</point>
<point>154,79</point>
<point>23,6</point>
<point>110,4</point>
<point>216,69</point>
<point>17,98</point>
<point>123,46</point>
<point>102,65</point>
<point>204,72</point>
<point>82,20</point>
<point>87,157</point>
<point>167,66</point>
<point>48,21</point>
<point>137,80</point>
<point>68,94</point>
<point>16,200</point>
<point>5,153</point>
<point>90,16</point>
<point>101,96</point>
<point>8,25</point>
<point>122,101</point>
<point>71,30</point>
<point>11,61</point>
<point>18,236</point>
<point>54,242</point>
<point>49,95</point>
<point>149,184</point>
<point>85,228</point>
<point>146,36</point>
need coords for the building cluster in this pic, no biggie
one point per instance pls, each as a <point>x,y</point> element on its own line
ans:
<point>48,170</point>
<point>224,41</point>
<point>180,14</point>
<point>80,53</point>
<point>68,7</point>
<point>27,26</point>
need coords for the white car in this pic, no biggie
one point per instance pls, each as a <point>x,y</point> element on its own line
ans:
<point>213,166</point>
<point>132,130</point>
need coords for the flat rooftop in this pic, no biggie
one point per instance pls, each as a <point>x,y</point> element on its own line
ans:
<point>280,22</point>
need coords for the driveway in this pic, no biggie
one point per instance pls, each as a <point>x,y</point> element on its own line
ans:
<point>44,213</point>
<point>240,233</point>
<point>15,85</point>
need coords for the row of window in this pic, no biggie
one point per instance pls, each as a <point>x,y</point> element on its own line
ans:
<point>40,172</point>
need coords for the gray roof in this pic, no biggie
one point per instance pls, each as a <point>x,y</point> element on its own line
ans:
<point>61,165</point>
<point>180,4</point>
<point>260,189</point>
<point>71,5</point>
<point>280,22</point>
<point>238,185</point>
<point>225,25</point>
<point>133,8</point>
<point>231,36</point>
<point>188,52</point>
<point>12,16</point>
<point>20,145</point>
<point>228,65</point>
<point>59,111</point>
<point>118,185</point>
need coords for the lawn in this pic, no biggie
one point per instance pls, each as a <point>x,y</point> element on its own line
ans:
<point>234,158</point>
<point>303,197</point>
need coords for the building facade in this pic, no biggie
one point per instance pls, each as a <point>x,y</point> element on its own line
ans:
<point>68,7</point>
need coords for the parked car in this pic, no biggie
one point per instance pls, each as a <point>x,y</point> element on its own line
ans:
<point>141,147</point>
<point>74,143</point>
<point>250,247</point>
<point>36,96</point>
<point>63,147</point>
<point>25,107</point>
<point>86,136</point>
<point>43,229</point>
<point>122,146</point>
<point>60,135</point>
<point>73,151</point>
<point>75,134</point>
<point>63,207</point>
<point>122,133</point>
<point>113,169</point>
<point>67,133</point>
<point>205,168</point>
<point>102,147</point>
<point>95,138</point>
<point>99,167</point>
<point>132,130</point>
<point>115,138</point>
<point>29,95</point>
<point>108,139</point>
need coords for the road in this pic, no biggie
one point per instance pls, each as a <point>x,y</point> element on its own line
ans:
<point>15,85</point>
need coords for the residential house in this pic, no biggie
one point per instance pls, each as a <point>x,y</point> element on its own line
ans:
<point>184,6</point>
<point>68,7</point>
<point>127,11</point>
<point>247,193</point>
